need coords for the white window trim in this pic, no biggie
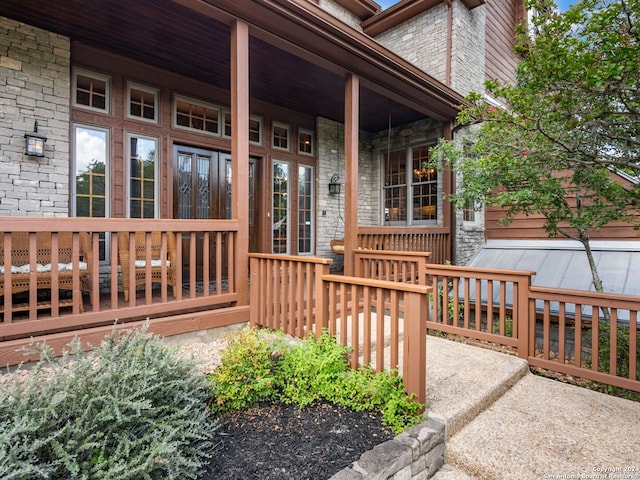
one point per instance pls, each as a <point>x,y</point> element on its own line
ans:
<point>211,106</point>
<point>144,88</point>
<point>288,129</point>
<point>97,76</point>
<point>156,195</point>
<point>311,134</point>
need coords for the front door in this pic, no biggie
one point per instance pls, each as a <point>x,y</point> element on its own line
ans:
<point>202,190</point>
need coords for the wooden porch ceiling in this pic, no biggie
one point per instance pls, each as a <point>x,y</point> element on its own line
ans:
<point>171,36</point>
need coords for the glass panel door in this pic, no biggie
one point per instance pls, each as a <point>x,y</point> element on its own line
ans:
<point>305,210</point>
<point>280,207</point>
<point>91,171</point>
<point>143,172</point>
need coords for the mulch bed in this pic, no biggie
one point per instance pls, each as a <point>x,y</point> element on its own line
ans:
<point>272,441</point>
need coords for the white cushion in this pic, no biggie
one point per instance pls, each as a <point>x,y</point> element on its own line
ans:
<point>62,267</point>
<point>154,263</point>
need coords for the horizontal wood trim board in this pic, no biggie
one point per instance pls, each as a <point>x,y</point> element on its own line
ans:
<point>92,318</point>
<point>585,373</point>
<point>11,355</point>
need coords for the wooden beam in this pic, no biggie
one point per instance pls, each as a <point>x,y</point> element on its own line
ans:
<point>240,153</point>
<point>351,141</point>
<point>449,185</point>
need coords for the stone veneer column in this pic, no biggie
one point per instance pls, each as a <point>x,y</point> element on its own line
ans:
<point>34,85</point>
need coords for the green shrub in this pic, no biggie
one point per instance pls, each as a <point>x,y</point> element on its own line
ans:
<point>384,392</point>
<point>259,367</point>
<point>246,374</point>
<point>312,370</point>
<point>131,409</point>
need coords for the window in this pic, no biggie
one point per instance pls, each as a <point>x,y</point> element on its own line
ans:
<point>410,187</point>
<point>91,170</point>
<point>424,186</point>
<point>91,91</point>
<point>305,142</point>
<point>305,210</point>
<point>143,102</point>
<point>395,188</point>
<point>193,115</point>
<point>143,174</point>
<point>280,136</point>
<point>226,131</point>
<point>471,214</point>
<point>255,128</point>
<point>280,207</point>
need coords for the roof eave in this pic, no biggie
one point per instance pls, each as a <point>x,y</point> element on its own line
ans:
<point>403,11</point>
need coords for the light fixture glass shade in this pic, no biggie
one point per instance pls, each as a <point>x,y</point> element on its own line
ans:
<point>334,186</point>
<point>35,145</point>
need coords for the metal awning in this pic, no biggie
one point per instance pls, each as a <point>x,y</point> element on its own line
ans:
<point>563,264</point>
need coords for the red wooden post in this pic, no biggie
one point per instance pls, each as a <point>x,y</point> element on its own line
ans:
<point>415,342</point>
<point>321,301</point>
<point>523,320</point>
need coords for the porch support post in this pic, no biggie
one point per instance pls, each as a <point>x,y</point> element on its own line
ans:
<point>240,154</point>
<point>351,142</point>
<point>449,213</point>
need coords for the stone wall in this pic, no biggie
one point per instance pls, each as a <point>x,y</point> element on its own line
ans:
<point>34,85</point>
<point>340,13</point>
<point>415,454</point>
<point>421,40</point>
<point>469,236</point>
<point>468,49</point>
<point>330,137</point>
<point>330,214</point>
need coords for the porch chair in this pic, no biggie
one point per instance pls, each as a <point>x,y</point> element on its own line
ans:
<point>20,268</point>
<point>140,260</point>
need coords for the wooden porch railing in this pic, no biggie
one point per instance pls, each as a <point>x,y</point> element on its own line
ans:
<point>368,315</point>
<point>586,334</point>
<point>435,240</point>
<point>391,265</point>
<point>486,304</point>
<point>590,335</point>
<point>175,265</point>
<point>284,291</point>
<point>298,296</point>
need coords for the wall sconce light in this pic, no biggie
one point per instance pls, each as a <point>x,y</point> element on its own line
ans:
<point>334,186</point>
<point>35,142</point>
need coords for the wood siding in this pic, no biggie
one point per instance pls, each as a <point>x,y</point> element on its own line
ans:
<point>502,16</point>
<point>532,228</point>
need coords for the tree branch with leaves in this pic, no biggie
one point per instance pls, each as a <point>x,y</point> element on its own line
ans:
<point>565,129</point>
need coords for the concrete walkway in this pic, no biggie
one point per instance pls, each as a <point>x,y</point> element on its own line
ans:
<point>503,422</point>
